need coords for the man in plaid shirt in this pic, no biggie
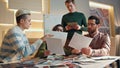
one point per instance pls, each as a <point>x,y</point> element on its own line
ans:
<point>15,45</point>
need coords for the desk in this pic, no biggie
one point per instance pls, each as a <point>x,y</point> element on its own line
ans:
<point>102,63</point>
<point>99,63</point>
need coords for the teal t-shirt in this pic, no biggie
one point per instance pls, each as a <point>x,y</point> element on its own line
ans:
<point>75,17</point>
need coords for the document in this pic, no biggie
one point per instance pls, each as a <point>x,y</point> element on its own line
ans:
<point>55,46</point>
<point>79,41</point>
<point>59,35</point>
<point>56,43</point>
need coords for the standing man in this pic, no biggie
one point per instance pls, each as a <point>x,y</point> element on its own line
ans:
<point>100,45</point>
<point>73,22</point>
<point>15,45</point>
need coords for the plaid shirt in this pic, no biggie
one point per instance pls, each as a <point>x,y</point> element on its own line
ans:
<point>15,45</point>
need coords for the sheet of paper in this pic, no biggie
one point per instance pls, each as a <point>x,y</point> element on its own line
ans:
<point>79,41</point>
<point>55,46</point>
<point>59,35</point>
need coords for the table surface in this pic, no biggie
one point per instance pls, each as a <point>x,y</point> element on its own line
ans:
<point>93,62</point>
<point>99,62</point>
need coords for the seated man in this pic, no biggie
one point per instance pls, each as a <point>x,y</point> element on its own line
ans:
<point>100,45</point>
<point>15,45</point>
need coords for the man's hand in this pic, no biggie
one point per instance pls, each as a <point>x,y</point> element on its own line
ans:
<point>68,27</point>
<point>87,51</point>
<point>76,27</point>
<point>27,58</point>
<point>75,51</point>
<point>46,52</point>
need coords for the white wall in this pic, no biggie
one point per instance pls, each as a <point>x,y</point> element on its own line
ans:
<point>58,7</point>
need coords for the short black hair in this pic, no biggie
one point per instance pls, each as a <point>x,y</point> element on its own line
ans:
<point>97,20</point>
<point>68,1</point>
<point>56,27</point>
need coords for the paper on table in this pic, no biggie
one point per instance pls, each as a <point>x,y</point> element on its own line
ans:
<point>79,41</point>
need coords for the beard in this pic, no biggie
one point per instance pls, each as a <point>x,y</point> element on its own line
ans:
<point>91,31</point>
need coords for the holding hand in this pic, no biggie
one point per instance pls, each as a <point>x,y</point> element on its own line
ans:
<point>68,27</point>
<point>46,52</point>
<point>87,51</point>
<point>73,25</point>
<point>77,27</point>
<point>75,51</point>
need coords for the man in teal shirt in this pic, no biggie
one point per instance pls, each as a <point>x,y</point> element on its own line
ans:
<point>73,22</point>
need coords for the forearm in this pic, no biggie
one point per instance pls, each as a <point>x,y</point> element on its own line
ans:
<point>36,45</point>
<point>100,52</point>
